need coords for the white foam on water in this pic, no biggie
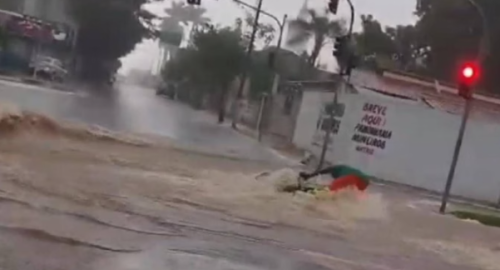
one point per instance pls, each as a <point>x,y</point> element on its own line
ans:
<point>158,259</point>
<point>239,194</point>
<point>461,253</point>
<point>261,199</point>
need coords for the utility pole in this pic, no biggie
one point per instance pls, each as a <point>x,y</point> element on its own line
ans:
<point>243,77</point>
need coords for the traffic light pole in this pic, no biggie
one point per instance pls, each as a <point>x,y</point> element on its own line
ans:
<point>329,130</point>
<point>483,51</point>
<point>456,154</point>
<point>335,98</point>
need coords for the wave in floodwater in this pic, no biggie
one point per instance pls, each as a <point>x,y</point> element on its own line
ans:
<point>239,194</point>
<point>462,254</point>
<point>15,122</point>
<point>262,199</point>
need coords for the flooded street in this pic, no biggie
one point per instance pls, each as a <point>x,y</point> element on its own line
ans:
<point>74,198</point>
<point>135,109</point>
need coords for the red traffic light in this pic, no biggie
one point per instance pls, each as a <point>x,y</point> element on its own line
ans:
<point>469,73</point>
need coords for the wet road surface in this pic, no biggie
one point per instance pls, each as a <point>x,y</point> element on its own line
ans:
<point>39,230</point>
<point>135,109</point>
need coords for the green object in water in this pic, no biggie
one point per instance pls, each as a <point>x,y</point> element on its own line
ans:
<point>344,170</point>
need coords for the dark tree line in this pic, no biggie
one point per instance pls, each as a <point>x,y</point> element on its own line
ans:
<point>109,30</point>
<point>447,32</point>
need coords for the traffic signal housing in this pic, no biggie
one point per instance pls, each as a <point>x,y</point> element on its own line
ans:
<point>333,6</point>
<point>352,63</point>
<point>341,46</point>
<point>194,2</point>
<point>468,77</point>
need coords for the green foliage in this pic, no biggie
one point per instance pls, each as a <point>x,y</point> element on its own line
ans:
<point>483,218</point>
<point>318,27</point>
<point>447,33</point>
<point>109,30</point>
<point>209,64</point>
<point>390,48</point>
<point>453,32</point>
<point>220,54</point>
<point>261,78</point>
<point>187,13</point>
<point>265,32</point>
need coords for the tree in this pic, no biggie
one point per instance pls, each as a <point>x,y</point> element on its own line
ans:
<point>393,47</point>
<point>188,14</point>
<point>109,30</point>
<point>211,63</point>
<point>265,32</point>
<point>453,30</point>
<point>318,27</point>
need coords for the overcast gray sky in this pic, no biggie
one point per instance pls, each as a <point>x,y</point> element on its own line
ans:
<point>224,12</point>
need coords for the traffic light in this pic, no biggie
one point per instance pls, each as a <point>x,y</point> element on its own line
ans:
<point>340,46</point>
<point>333,6</point>
<point>352,63</point>
<point>194,2</point>
<point>468,77</point>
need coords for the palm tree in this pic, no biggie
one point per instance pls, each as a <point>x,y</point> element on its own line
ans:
<point>315,26</point>
<point>187,14</point>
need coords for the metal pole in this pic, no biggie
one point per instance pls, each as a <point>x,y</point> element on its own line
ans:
<point>350,32</point>
<point>483,51</point>
<point>352,17</point>
<point>277,50</point>
<point>261,11</point>
<point>335,99</point>
<point>456,153</point>
<point>261,114</point>
<point>239,94</point>
<point>280,38</point>
<point>329,130</point>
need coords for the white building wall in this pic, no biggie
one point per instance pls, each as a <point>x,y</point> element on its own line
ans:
<point>420,149</point>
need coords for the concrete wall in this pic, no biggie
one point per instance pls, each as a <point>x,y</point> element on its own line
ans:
<point>280,121</point>
<point>415,147</point>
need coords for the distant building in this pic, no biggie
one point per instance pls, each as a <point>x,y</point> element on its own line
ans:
<point>36,27</point>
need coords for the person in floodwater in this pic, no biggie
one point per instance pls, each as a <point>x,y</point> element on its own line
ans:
<point>343,177</point>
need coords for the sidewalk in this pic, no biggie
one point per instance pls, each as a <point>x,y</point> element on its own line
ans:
<point>287,150</point>
<point>33,81</point>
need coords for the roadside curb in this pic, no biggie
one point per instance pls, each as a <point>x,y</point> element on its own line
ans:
<point>35,82</point>
<point>252,134</point>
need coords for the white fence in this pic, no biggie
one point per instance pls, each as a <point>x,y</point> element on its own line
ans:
<point>406,143</point>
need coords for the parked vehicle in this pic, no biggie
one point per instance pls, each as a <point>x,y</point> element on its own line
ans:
<point>166,89</point>
<point>48,68</point>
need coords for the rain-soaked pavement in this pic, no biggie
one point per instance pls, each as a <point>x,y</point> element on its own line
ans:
<point>136,109</point>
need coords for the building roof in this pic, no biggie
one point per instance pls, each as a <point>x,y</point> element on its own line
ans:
<point>437,95</point>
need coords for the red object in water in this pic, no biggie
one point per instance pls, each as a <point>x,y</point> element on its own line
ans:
<point>348,181</point>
